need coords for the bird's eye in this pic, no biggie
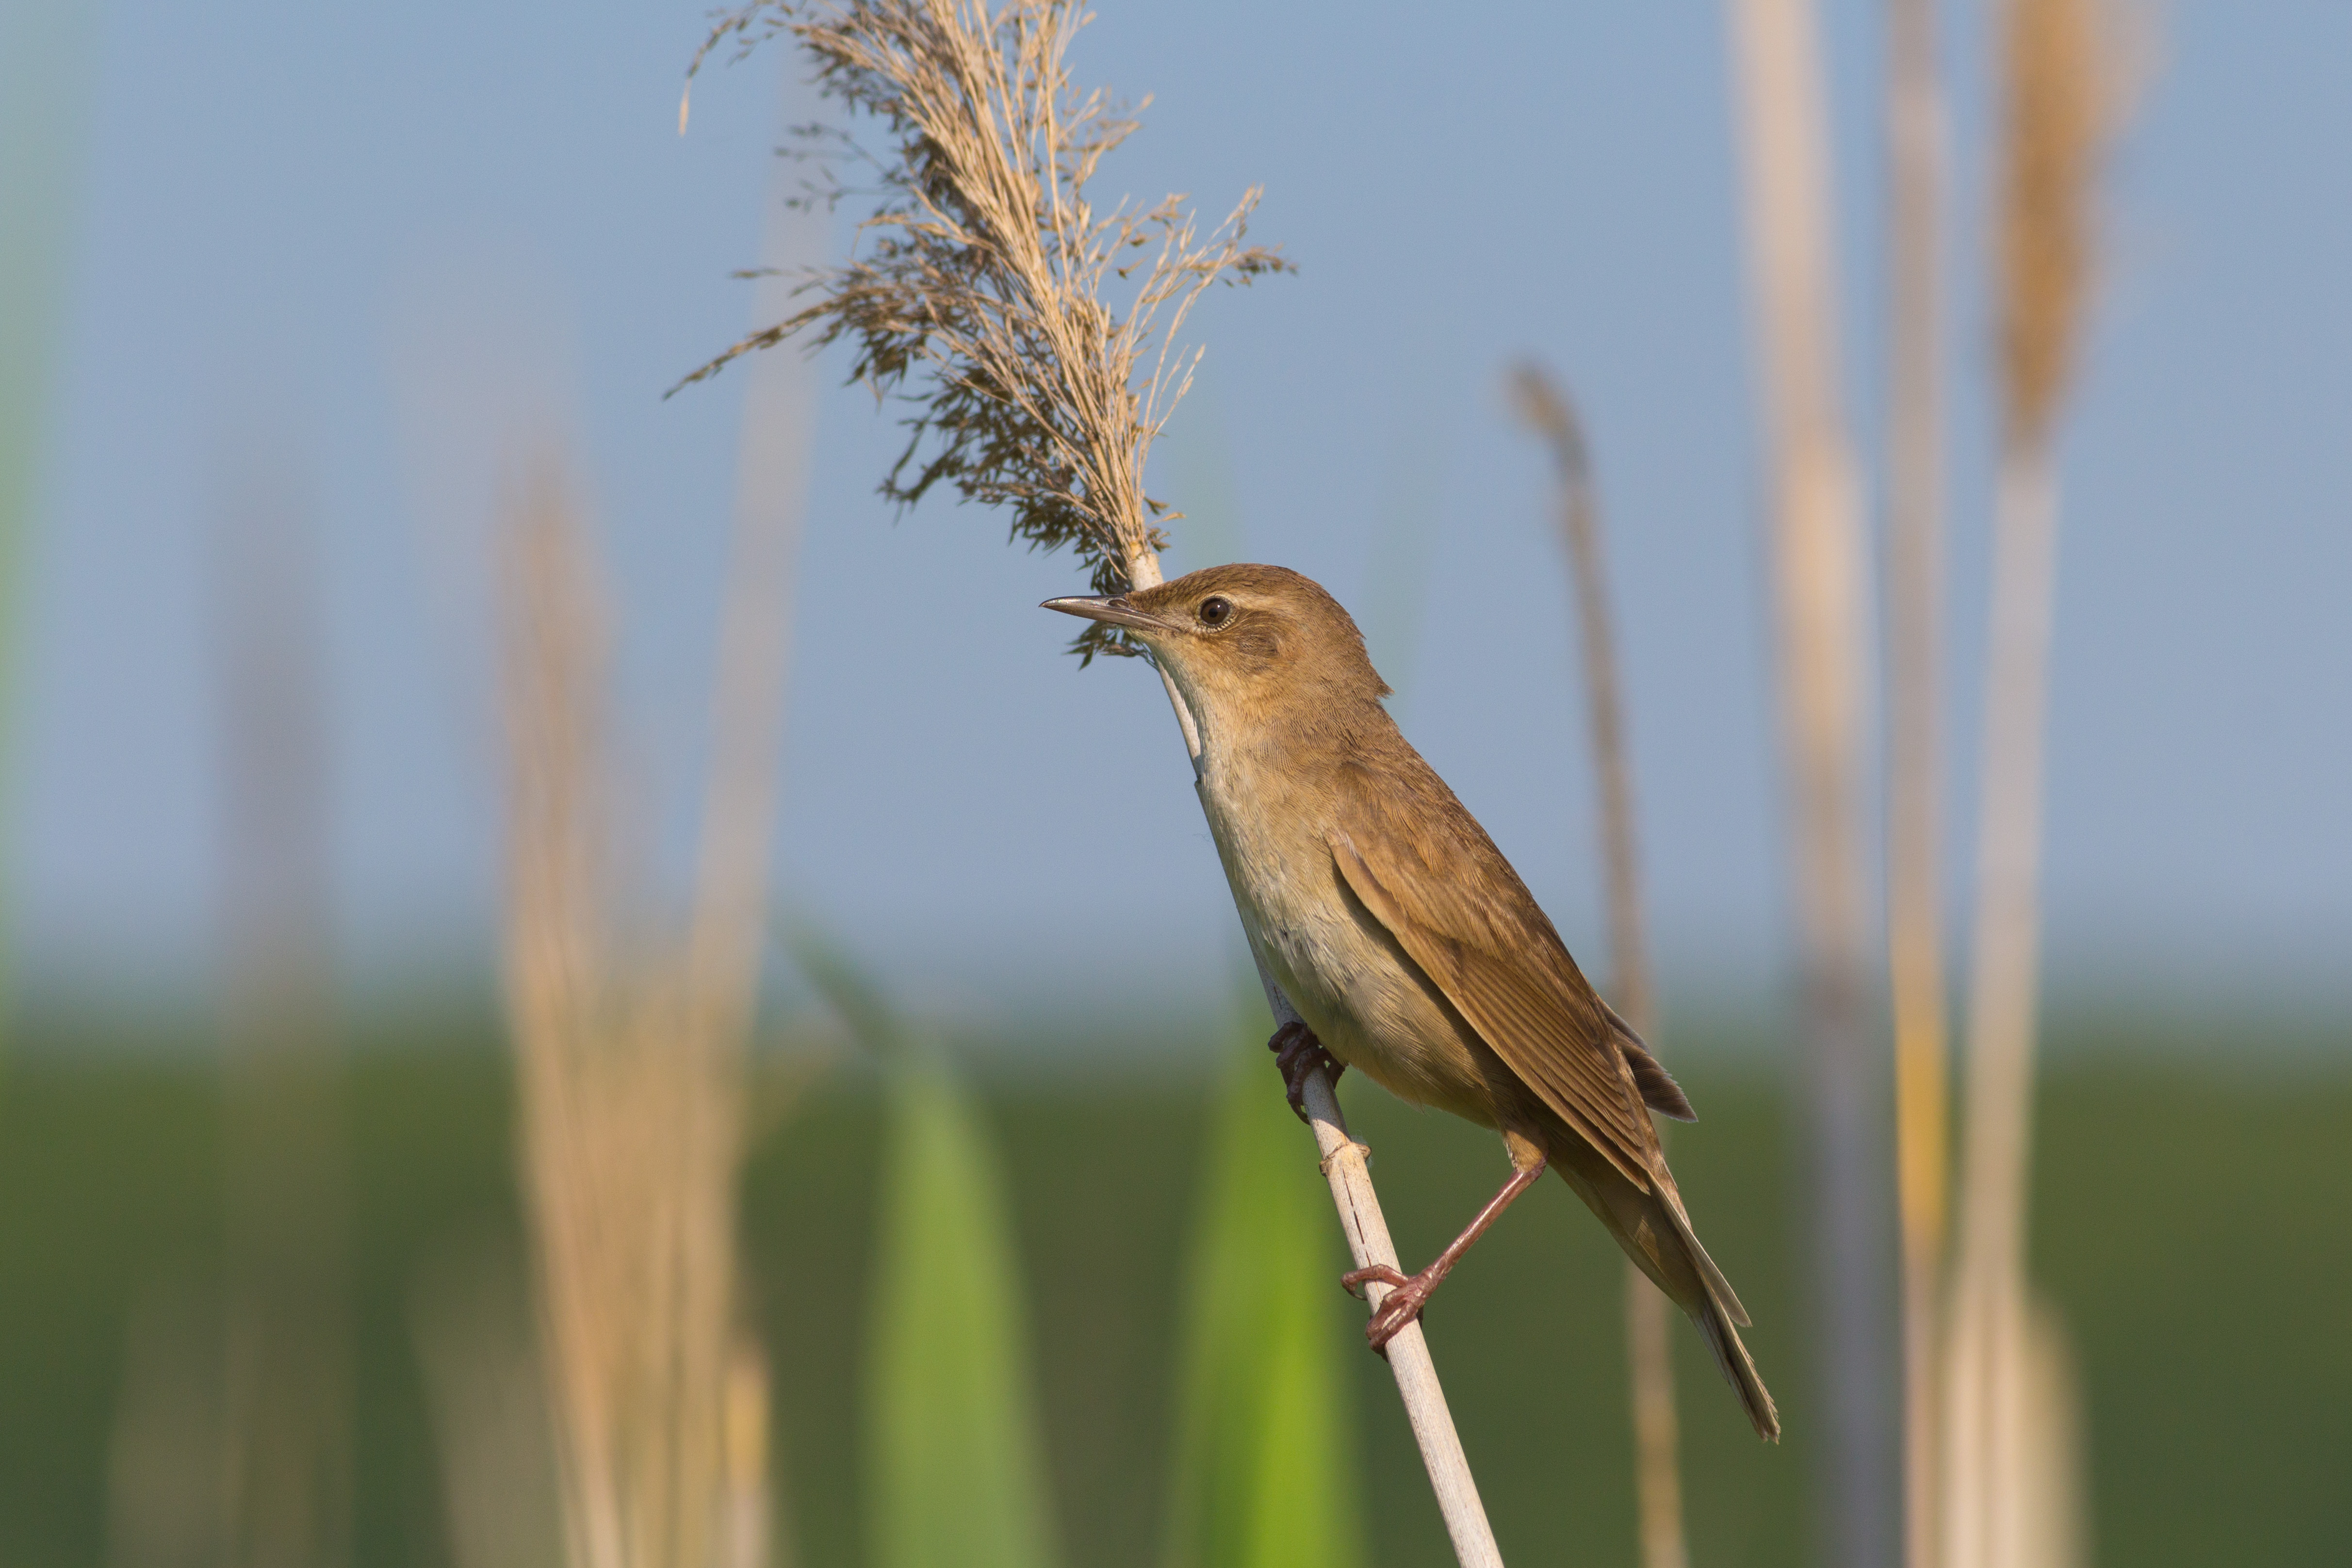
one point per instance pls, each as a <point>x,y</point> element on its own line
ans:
<point>1215,612</point>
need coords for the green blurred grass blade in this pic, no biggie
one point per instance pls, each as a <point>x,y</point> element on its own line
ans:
<point>1265,1465</point>
<point>956,1473</point>
<point>955,1465</point>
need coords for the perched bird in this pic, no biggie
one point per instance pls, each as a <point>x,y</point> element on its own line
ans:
<point>1401,935</point>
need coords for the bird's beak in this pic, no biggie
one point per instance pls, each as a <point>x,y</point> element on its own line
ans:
<point>1113,610</point>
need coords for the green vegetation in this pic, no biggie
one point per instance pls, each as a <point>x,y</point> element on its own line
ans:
<point>2195,1226</point>
<point>954,1459</point>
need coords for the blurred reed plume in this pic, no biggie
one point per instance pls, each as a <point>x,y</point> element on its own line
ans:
<point>985,274</point>
<point>984,267</point>
<point>1917,158</point>
<point>631,1076</point>
<point>1546,409</point>
<point>1265,1467</point>
<point>287,1396</point>
<point>1821,591</point>
<point>2001,1453</point>
<point>955,1467</point>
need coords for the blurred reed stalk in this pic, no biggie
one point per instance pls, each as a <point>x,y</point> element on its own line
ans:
<point>1545,408</point>
<point>1819,589</point>
<point>286,1416</point>
<point>633,1038</point>
<point>984,271</point>
<point>2005,1466</point>
<point>469,1315</point>
<point>631,1048</point>
<point>1916,147</point>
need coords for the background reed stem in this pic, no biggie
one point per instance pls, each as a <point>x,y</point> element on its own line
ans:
<point>1916,141</point>
<point>1819,587</point>
<point>1649,1354</point>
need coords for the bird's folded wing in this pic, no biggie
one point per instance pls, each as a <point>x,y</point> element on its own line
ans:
<point>1559,1044</point>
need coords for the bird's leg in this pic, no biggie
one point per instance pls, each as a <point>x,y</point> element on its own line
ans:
<point>1411,1293</point>
<point>1297,1052</point>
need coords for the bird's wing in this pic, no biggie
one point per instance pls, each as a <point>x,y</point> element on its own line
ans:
<point>1505,971</point>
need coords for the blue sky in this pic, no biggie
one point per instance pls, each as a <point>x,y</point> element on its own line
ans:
<point>340,245</point>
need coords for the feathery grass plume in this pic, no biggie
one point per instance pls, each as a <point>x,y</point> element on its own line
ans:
<point>984,271</point>
<point>955,1468</point>
<point>2001,1454</point>
<point>630,1104</point>
<point>1821,589</point>
<point>1545,407</point>
<point>1265,1473</point>
<point>1917,136</point>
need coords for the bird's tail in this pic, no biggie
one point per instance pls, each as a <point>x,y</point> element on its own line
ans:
<point>1719,1317</point>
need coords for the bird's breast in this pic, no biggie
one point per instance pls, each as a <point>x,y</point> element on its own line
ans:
<point>1351,984</point>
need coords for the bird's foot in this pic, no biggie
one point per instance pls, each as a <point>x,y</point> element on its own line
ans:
<point>1297,1052</point>
<point>1408,1294</point>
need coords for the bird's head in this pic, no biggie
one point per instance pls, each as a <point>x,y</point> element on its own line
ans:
<point>1244,643</point>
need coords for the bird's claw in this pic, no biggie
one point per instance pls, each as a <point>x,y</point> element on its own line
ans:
<point>1297,1052</point>
<point>1408,1294</point>
<point>1354,1280</point>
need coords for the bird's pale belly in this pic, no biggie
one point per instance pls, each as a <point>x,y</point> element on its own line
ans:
<point>1350,982</point>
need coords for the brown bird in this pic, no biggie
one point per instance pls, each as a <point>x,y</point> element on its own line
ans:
<point>1405,941</point>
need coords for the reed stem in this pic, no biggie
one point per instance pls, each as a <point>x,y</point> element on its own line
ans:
<point>1916,156</point>
<point>1648,1348</point>
<point>1820,588</point>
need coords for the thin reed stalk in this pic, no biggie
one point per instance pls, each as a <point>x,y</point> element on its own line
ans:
<point>1917,139</point>
<point>469,1318</point>
<point>1999,1456</point>
<point>287,1411</point>
<point>1547,409</point>
<point>1820,588</point>
<point>985,274</point>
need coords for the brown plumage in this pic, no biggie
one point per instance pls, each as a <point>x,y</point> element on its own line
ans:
<point>1400,933</point>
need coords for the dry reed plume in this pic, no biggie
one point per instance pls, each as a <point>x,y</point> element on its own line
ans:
<point>2060,99</point>
<point>631,1101</point>
<point>984,267</point>
<point>980,292</point>
<point>1545,408</point>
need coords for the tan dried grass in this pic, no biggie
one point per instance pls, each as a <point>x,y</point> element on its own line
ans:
<point>631,1099</point>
